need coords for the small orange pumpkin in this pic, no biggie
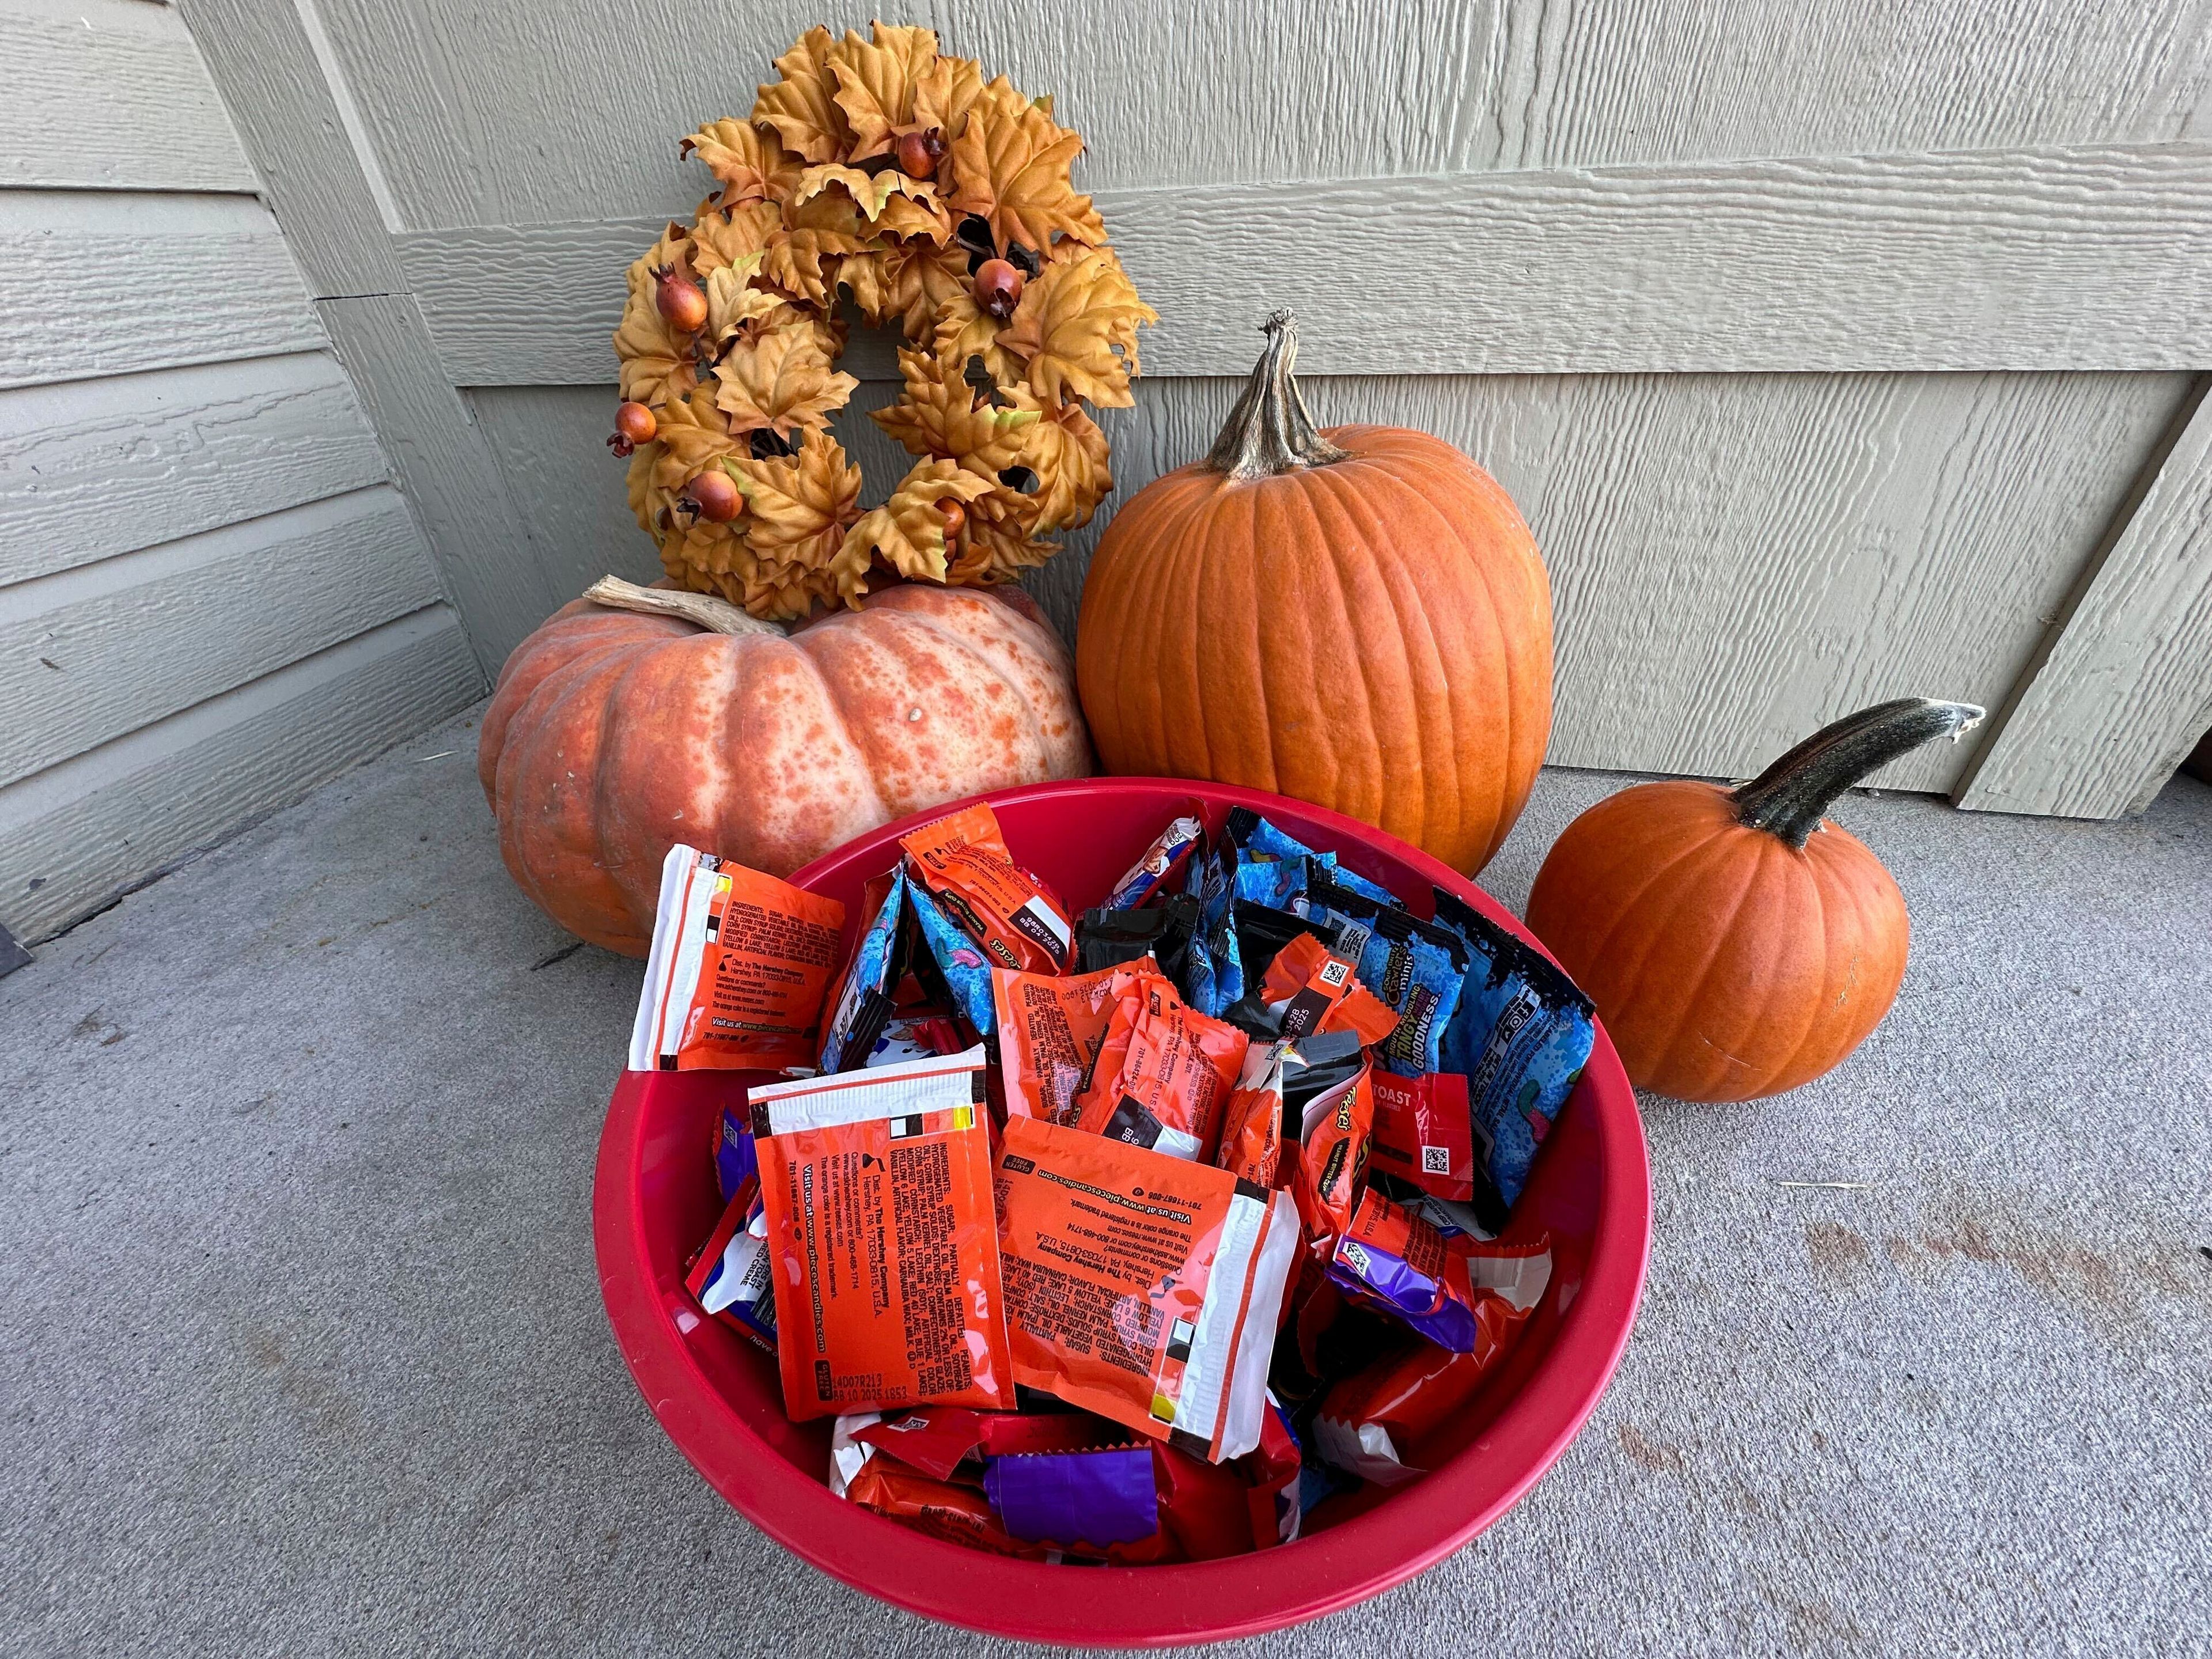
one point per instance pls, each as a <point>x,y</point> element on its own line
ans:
<point>650,717</point>
<point>1358,618</point>
<point>1737,943</point>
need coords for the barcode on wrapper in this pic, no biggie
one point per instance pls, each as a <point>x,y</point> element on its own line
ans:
<point>1436,1160</point>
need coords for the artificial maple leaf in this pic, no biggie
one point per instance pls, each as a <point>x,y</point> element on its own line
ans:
<point>997,544</point>
<point>1077,327</point>
<point>691,432</point>
<point>656,362</point>
<point>1069,455</point>
<point>1010,166</point>
<point>868,192</point>
<point>942,415</point>
<point>646,497</point>
<point>797,507</point>
<point>730,237</point>
<point>752,164</point>
<point>732,302</point>
<point>916,217</point>
<point>802,106</point>
<point>943,93</point>
<point>804,263</point>
<point>875,82</point>
<point>965,330</point>
<point>779,382</point>
<point>908,531</point>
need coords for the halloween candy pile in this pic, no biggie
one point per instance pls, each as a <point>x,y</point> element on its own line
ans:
<point>1122,1234</point>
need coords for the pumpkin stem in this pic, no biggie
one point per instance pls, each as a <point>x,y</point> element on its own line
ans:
<point>1788,797</point>
<point>716,616</point>
<point>1269,431</point>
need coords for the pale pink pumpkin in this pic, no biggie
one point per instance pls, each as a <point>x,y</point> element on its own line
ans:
<point>613,734</point>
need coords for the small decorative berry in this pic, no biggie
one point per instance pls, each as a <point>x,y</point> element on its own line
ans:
<point>634,425</point>
<point>999,284</point>
<point>919,153</point>
<point>714,496</point>
<point>955,516</point>
<point>682,300</point>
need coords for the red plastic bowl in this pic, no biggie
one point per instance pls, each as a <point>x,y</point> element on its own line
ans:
<point>720,1403</point>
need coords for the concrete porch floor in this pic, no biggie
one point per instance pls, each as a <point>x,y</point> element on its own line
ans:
<point>303,1350</point>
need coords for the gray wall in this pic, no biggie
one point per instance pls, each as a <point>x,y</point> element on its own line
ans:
<point>1831,353</point>
<point>212,595</point>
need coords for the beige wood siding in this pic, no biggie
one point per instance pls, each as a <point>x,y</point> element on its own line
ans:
<point>212,595</point>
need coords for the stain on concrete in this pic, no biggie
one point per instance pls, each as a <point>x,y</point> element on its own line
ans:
<point>1656,1455</point>
<point>1836,1251</point>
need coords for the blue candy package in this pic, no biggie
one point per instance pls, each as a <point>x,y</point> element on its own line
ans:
<point>1254,835</point>
<point>1214,973</point>
<point>959,963</point>
<point>864,1001</point>
<point>1417,967</point>
<point>1272,882</point>
<point>1521,1037</point>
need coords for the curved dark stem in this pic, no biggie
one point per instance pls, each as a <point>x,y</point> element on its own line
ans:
<point>1788,799</point>
<point>1269,431</point>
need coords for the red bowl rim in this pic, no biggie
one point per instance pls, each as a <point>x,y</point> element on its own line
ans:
<point>1131,1607</point>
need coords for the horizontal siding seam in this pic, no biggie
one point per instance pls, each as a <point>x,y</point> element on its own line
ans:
<point>119,572</point>
<point>54,787</point>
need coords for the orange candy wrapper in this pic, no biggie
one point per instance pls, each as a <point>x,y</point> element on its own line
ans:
<point>1252,1126</point>
<point>1142,1287</point>
<point>964,862</point>
<point>1050,1029</point>
<point>1164,1072</point>
<point>876,1186</point>
<point>740,965</point>
<point>1318,992</point>
<point>1338,1122</point>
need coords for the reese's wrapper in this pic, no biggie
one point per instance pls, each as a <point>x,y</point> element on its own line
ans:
<point>739,966</point>
<point>1318,991</point>
<point>1327,1092</point>
<point>863,1005</point>
<point>1251,1125</point>
<point>1164,1071</point>
<point>962,858</point>
<point>876,1186</point>
<point>952,963</point>
<point>1155,872</point>
<point>1416,967</point>
<point>1423,1132</point>
<point>1142,1288</point>
<point>1049,1027</point>
<point>1166,933</point>
<point>1521,1035</point>
<point>1370,1423</point>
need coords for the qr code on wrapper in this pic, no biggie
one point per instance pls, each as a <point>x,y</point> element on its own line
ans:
<point>1436,1160</point>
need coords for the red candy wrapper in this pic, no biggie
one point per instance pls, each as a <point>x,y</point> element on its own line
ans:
<point>1424,1132</point>
<point>1370,1423</point>
<point>1318,991</point>
<point>876,1188</point>
<point>939,1439</point>
<point>964,862</point>
<point>1396,1263</point>
<point>1163,1074</point>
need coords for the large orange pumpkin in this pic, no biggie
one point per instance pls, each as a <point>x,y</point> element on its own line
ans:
<point>617,732</point>
<point>1358,618</point>
<point>1737,943</point>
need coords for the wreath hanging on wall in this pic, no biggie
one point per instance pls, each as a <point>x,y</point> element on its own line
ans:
<point>881,171</point>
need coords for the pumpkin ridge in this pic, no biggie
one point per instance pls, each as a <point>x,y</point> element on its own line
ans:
<point>1378,534</point>
<point>1788,1064</point>
<point>1689,994</point>
<point>1627,909</point>
<point>1503,653</point>
<point>1165,642</point>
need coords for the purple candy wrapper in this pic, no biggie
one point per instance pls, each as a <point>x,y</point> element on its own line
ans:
<point>1095,1497</point>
